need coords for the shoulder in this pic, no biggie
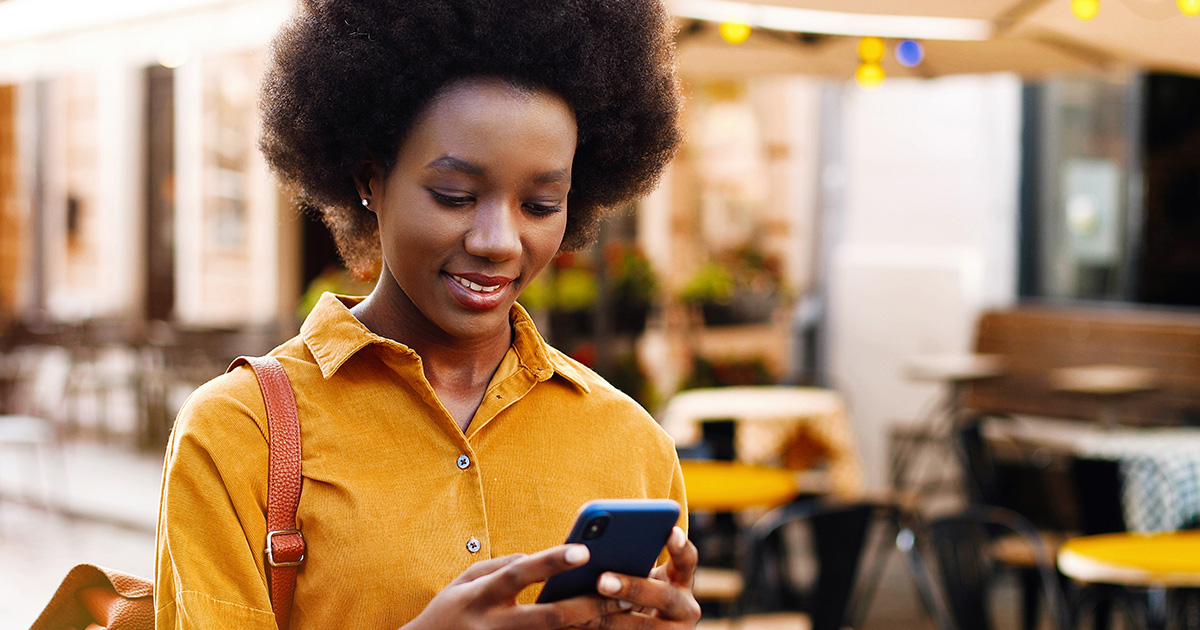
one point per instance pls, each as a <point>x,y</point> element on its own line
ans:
<point>230,407</point>
<point>601,401</point>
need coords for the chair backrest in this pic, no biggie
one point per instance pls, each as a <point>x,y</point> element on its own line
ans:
<point>957,548</point>
<point>838,533</point>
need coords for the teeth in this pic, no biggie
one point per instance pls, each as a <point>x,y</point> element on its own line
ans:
<point>475,287</point>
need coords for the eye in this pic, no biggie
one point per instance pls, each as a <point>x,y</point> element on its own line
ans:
<point>542,210</point>
<point>450,200</point>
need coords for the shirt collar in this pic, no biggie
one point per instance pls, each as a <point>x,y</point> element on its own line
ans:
<point>537,355</point>
<point>333,335</point>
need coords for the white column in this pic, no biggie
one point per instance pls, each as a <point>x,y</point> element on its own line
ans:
<point>119,202</point>
<point>928,238</point>
<point>189,208</point>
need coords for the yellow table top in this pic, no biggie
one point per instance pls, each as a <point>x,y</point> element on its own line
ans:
<point>719,486</point>
<point>1134,559</point>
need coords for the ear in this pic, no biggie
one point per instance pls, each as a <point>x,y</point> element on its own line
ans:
<point>368,180</point>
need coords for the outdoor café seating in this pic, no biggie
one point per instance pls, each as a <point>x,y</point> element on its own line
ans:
<point>791,464</point>
<point>1157,564</point>
<point>772,600</point>
<point>1088,429</point>
<point>953,559</point>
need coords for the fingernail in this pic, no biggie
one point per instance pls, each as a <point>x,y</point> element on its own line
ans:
<point>577,554</point>
<point>678,538</point>
<point>624,605</point>
<point>609,584</point>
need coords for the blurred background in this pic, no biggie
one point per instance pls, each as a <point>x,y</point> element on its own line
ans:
<point>862,181</point>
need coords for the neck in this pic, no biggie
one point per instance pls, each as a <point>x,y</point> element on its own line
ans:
<point>454,366</point>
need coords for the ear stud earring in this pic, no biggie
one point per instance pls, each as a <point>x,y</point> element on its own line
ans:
<point>366,204</point>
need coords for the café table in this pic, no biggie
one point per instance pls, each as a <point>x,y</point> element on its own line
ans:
<point>1157,562</point>
<point>909,442</point>
<point>1108,383</point>
<point>792,427</point>
<point>955,372</point>
<point>1160,474</point>
<point>732,487</point>
<point>1159,467</point>
<point>717,486</point>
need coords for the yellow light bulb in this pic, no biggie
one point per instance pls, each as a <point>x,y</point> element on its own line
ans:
<point>1085,10</point>
<point>871,49</point>
<point>1189,7</point>
<point>869,75</point>
<point>734,32</point>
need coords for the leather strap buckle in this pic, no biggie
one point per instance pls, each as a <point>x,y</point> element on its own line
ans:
<point>271,548</point>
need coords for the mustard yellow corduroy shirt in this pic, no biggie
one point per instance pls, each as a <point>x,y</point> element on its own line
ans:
<point>394,492</point>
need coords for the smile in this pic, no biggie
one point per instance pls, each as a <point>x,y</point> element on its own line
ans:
<point>475,287</point>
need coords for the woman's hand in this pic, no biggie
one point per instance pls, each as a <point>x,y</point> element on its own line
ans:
<point>663,600</point>
<point>485,595</point>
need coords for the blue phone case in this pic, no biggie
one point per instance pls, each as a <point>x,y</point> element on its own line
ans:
<point>635,532</point>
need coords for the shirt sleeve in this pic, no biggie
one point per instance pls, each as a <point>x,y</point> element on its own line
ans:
<point>679,494</point>
<point>212,526</point>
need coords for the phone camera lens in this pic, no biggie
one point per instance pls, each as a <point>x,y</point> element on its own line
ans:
<point>595,528</point>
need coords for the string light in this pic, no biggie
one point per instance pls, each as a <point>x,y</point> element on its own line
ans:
<point>910,53</point>
<point>871,49</point>
<point>869,75</point>
<point>734,32</point>
<point>1189,7</point>
<point>1085,10</point>
<point>172,57</point>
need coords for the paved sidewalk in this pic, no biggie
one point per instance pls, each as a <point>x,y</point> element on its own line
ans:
<point>99,505</point>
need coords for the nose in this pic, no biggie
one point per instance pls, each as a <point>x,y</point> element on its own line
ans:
<point>495,231</point>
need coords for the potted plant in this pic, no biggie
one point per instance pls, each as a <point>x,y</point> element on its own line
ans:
<point>710,289</point>
<point>740,288</point>
<point>574,298</point>
<point>633,287</point>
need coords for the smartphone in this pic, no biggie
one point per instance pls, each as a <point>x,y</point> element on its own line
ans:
<point>623,536</point>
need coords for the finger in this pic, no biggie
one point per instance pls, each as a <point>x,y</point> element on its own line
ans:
<point>681,566</point>
<point>485,567</point>
<point>671,601</point>
<point>505,583</point>
<point>637,621</point>
<point>577,612</point>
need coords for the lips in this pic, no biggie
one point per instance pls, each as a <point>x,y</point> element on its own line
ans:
<point>475,287</point>
<point>478,292</point>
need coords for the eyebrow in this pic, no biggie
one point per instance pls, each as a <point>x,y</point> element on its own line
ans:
<point>451,163</point>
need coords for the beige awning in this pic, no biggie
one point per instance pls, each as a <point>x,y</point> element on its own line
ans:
<point>1030,37</point>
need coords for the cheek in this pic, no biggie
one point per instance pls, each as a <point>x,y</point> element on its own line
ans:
<point>550,238</point>
<point>409,229</point>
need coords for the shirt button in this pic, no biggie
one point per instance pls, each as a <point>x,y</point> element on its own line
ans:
<point>473,545</point>
<point>464,462</point>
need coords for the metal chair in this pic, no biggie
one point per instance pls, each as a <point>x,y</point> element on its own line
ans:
<point>952,560</point>
<point>1038,487</point>
<point>772,598</point>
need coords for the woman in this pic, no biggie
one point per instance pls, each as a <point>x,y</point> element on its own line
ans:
<point>458,145</point>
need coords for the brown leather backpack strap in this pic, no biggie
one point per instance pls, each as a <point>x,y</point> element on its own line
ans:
<point>285,547</point>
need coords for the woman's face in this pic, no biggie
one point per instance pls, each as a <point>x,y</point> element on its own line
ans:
<point>475,206</point>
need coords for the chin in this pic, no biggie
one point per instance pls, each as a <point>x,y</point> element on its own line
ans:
<point>467,324</point>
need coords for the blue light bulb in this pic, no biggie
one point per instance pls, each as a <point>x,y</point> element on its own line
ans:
<point>909,53</point>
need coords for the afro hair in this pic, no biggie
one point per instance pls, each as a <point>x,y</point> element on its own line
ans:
<point>347,78</point>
